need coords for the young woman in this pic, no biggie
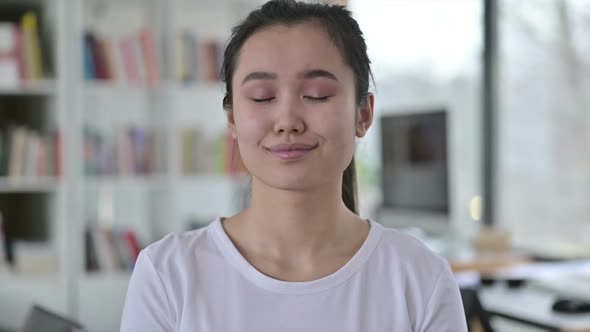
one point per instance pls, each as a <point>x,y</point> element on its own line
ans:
<point>299,258</point>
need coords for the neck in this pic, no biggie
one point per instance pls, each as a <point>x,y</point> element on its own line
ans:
<point>286,222</point>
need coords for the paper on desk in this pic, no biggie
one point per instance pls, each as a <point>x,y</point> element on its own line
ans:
<point>545,270</point>
<point>468,279</point>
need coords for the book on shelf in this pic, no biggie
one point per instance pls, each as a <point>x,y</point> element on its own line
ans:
<point>209,60</point>
<point>102,63</point>
<point>196,59</point>
<point>197,152</point>
<point>35,258</point>
<point>3,258</point>
<point>129,59</point>
<point>21,58</point>
<point>18,141</point>
<point>148,48</point>
<point>28,153</point>
<point>11,59</point>
<point>201,154</point>
<point>189,149</point>
<point>122,250</point>
<point>31,46</point>
<point>124,152</point>
<point>132,59</point>
<point>106,257</point>
<point>56,152</point>
<point>110,249</point>
<point>96,61</point>
<point>143,150</point>
<point>89,64</point>
<point>129,151</point>
<point>90,250</point>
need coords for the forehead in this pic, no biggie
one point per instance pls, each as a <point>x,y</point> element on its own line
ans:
<point>291,49</point>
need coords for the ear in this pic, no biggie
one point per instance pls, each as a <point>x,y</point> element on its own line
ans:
<point>231,124</point>
<point>365,116</point>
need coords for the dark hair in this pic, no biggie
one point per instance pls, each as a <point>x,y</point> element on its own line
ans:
<point>342,29</point>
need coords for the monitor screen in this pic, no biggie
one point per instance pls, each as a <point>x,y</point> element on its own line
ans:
<point>414,161</point>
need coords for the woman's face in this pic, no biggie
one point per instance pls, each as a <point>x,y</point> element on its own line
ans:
<point>294,112</point>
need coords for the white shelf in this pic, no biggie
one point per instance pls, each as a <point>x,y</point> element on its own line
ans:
<point>106,277</point>
<point>30,88</point>
<point>209,178</point>
<point>108,87</point>
<point>196,85</point>
<point>98,181</point>
<point>101,88</point>
<point>22,280</point>
<point>28,184</point>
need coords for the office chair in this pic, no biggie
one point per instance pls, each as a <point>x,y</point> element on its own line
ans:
<point>474,310</point>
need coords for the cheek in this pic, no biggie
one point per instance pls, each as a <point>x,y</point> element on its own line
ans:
<point>339,131</point>
<point>338,125</point>
<point>250,126</point>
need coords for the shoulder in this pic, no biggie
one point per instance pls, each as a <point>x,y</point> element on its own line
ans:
<point>178,246</point>
<point>430,289</point>
<point>157,286</point>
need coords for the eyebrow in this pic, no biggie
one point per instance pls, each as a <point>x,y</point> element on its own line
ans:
<point>307,75</point>
<point>259,75</point>
<point>315,73</point>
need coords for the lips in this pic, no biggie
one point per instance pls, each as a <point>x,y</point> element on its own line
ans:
<point>291,151</point>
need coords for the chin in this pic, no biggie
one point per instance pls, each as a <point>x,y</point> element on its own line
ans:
<point>289,180</point>
<point>287,183</point>
<point>301,176</point>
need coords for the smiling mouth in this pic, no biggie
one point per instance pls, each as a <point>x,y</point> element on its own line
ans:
<point>291,151</point>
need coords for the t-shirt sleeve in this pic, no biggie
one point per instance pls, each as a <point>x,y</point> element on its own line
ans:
<point>444,309</point>
<point>147,307</point>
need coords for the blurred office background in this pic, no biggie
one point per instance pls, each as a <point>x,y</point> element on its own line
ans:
<point>112,135</point>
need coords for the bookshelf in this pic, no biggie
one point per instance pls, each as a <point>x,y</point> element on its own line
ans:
<point>33,185</point>
<point>117,84</point>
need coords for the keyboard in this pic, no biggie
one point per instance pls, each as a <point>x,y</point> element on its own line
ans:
<point>574,286</point>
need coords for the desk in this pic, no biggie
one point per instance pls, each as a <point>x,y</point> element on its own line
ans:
<point>526,305</point>
<point>463,257</point>
<point>531,307</point>
<point>487,263</point>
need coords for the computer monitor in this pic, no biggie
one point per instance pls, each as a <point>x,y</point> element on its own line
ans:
<point>415,181</point>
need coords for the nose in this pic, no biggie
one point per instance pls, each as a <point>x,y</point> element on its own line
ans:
<point>289,118</point>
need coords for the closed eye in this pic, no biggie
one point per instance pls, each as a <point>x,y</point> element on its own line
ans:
<point>257,100</point>
<point>317,99</point>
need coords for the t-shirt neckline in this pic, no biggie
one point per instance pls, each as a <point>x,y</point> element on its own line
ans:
<point>295,287</point>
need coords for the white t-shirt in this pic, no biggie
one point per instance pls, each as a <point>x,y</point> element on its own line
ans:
<point>198,281</point>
